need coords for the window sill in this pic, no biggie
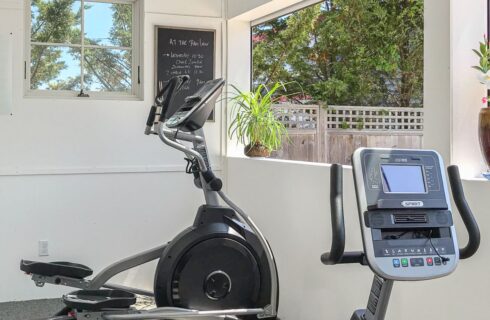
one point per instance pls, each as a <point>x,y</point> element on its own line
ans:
<point>478,179</point>
<point>286,162</point>
<point>326,165</point>
<point>73,96</point>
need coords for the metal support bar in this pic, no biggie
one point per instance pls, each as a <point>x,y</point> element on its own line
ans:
<point>40,281</point>
<point>138,291</point>
<point>100,279</point>
<point>173,313</point>
<point>179,135</point>
<point>179,146</point>
<point>379,298</point>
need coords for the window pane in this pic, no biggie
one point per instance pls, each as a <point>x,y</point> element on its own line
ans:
<point>56,21</point>
<point>108,24</point>
<point>107,70</point>
<point>55,68</point>
<point>362,59</point>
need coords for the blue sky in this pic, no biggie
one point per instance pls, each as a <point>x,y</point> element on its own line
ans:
<point>98,24</point>
<point>98,21</point>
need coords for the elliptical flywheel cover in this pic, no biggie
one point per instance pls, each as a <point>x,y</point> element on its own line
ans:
<point>216,273</point>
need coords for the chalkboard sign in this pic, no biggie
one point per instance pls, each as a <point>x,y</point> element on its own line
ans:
<point>185,51</point>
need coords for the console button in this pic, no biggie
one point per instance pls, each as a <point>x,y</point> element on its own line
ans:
<point>430,262</point>
<point>404,262</point>
<point>437,261</point>
<point>417,262</point>
<point>396,263</point>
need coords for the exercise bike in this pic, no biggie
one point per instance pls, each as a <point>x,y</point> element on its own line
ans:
<point>406,220</point>
<point>221,266</point>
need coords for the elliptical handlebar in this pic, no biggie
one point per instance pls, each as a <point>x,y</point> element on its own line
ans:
<point>337,254</point>
<point>163,100</point>
<point>466,214</point>
<point>166,94</point>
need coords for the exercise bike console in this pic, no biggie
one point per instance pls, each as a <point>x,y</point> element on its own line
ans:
<point>405,213</point>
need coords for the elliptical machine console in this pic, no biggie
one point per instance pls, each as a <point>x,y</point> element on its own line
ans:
<point>196,109</point>
<point>405,217</point>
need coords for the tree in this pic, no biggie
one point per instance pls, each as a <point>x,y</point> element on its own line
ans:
<point>111,69</point>
<point>105,69</point>
<point>346,52</point>
<point>52,22</point>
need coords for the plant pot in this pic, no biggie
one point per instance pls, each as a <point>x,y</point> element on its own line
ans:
<point>257,150</point>
<point>484,133</point>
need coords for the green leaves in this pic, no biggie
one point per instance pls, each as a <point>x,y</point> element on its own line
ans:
<point>254,120</point>
<point>346,52</point>
<point>483,56</point>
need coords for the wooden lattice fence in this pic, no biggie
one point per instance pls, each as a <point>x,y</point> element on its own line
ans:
<point>332,134</point>
<point>303,142</point>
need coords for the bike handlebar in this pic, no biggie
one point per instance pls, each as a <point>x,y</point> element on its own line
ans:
<point>337,254</point>
<point>464,210</point>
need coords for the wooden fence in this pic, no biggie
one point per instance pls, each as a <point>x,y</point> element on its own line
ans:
<point>332,134</point>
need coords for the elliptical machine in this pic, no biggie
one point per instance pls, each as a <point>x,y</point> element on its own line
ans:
<point>220,266</point>
<point>406,220</point>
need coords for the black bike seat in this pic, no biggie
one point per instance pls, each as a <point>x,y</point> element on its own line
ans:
<point>59,268</point>
<point>96,300</point>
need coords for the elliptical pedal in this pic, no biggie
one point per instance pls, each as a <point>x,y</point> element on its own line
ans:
<point>97,300</point>
<point>59,268</point>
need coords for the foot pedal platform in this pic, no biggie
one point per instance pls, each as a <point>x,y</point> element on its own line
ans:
<point>96,300</point>
<point>51,269</point>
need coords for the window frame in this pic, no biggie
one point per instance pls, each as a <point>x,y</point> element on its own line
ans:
<point>284,11</point>
<point>291,9</point>
<point>136,63</point>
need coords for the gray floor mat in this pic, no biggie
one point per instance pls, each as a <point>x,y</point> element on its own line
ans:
<point>27,310</point>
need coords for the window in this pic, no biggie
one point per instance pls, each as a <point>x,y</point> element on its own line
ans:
<point>356,71</point>
<point>83,48</point>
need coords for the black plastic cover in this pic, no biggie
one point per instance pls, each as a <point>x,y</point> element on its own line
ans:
<point>216,244</point>
<point>59,268</point>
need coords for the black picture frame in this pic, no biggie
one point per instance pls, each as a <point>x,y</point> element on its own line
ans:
<point>163,59</point>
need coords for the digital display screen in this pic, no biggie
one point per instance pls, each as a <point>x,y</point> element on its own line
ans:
<point>403,178</point>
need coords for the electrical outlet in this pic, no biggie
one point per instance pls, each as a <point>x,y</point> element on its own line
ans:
<point>43,248</point>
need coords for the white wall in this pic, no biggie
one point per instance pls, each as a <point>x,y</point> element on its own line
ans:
<point>257,9</point>
<point>238,7</point>
<point>437,85</point>
<point>289,202</point>
<point>81,173</point>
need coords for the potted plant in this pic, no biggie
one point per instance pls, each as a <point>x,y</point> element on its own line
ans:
<point>254,122</point>
<point>483,54</point>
